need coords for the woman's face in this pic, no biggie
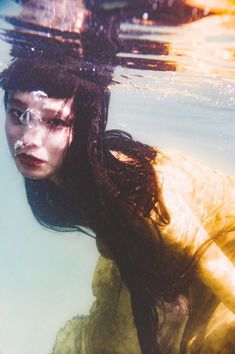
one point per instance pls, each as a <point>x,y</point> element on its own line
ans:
<point>39,132</point>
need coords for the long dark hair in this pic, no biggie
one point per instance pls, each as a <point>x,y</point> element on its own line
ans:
<point>110,195</point>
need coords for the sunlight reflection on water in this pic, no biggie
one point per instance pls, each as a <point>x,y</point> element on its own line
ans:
<point>185,97</point>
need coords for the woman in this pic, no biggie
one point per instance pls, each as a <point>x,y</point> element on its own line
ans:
<point>165,220</point>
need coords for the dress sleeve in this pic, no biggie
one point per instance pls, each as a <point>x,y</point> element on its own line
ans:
<point>185,231</point>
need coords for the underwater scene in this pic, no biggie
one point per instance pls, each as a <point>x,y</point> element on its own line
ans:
<point>117,185</point>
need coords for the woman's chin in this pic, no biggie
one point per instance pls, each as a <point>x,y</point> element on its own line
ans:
<point>32,173</point>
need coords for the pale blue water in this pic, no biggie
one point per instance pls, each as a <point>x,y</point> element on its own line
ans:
<point>46,277</point>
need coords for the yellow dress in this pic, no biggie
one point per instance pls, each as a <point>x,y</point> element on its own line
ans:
<point>201,206</point>
<point>215,6</point>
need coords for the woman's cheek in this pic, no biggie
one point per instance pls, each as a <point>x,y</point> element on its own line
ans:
<point>64,140</point>
<point>12,131</point>
<point>11,134</point>
<point>55,144</point>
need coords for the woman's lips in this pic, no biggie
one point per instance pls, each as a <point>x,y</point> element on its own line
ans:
<point>30,160</point>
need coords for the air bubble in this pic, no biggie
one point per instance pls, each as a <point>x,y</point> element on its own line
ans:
<point>155,6</point>
<point>145,16</point>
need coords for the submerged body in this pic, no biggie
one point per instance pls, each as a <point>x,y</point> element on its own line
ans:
<point>166,221</point>
<point>201,206</point>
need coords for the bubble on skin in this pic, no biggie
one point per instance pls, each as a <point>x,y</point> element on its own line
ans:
<point>145,16</point>
<point>39,94</point>
<point>18,147</point>
<point>32,115</point>
<point>25,117</point>
<point>155,5</point>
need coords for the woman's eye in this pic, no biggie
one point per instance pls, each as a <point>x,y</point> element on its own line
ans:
<point>15,114</point>
<point>56,122</point>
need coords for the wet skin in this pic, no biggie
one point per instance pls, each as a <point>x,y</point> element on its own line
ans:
<point>38,140</point>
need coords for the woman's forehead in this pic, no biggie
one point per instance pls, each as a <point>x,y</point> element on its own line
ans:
<point>39,99</point>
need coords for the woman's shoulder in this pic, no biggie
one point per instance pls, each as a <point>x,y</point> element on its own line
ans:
<point>178,159</point>
<point>174,170</point>
<point>182,168</point>
<point>204,190</point>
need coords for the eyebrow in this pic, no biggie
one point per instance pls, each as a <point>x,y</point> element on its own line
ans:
<point>13,100</point>
<point>17,101</point>
<point>59,116</point>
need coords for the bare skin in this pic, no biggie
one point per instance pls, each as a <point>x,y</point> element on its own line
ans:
<point>38,130</point>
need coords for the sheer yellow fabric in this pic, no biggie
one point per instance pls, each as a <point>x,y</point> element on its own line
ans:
<point>200,203</point>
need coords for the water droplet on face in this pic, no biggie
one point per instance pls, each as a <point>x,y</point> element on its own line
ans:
<point>18,146</point>
<point>25,117</point>
<point>39,94</point>
<point>145,16</point>
<point>155,6</point>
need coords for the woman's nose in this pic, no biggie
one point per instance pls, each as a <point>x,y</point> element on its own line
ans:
<point>34,135</point>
